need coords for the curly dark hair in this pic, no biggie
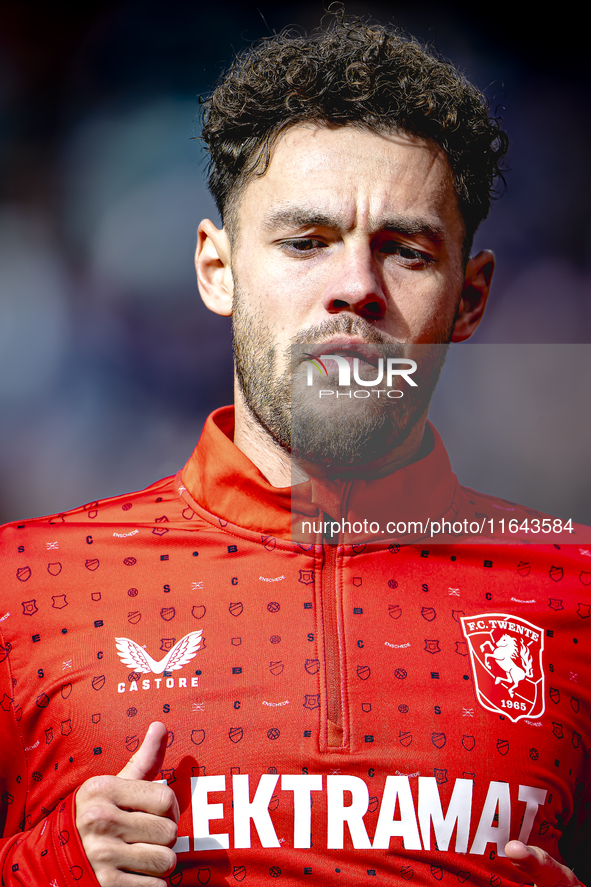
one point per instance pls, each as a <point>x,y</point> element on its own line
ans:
<point>350,73</point>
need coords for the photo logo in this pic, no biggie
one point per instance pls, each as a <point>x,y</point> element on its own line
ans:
<point>134,656</point>
<point>506,658</point>
<point>315,363</point>
<point>386,370</point>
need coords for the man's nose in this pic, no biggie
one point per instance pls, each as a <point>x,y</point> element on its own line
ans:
<point>355,285</point>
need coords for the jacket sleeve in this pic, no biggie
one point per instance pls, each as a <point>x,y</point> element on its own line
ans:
<point>50,853</point>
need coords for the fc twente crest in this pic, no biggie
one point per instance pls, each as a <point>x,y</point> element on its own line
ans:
<point>506,656</point>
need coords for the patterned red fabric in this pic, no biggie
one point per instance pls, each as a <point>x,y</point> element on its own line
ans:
<point>334,711</point>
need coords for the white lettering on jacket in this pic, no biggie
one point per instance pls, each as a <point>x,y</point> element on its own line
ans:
<point>416,825</point>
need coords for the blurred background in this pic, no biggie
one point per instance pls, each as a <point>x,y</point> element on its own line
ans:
<point>109,363</point>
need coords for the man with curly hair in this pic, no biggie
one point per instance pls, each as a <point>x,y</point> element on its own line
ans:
<point>351,169</point>
<point>354,102</point>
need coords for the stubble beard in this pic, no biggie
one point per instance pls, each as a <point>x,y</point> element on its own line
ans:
<point>334,434</point>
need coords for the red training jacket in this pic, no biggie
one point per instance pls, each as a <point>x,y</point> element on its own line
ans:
<point>354,714</point>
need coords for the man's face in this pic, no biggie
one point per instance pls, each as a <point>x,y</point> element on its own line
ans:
<point>349,237</point>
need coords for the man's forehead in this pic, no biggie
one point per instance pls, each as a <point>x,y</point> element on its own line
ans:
<point>322,150</point>
<point>346,175</point>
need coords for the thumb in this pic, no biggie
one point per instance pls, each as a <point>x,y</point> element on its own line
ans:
<point>147,760</point>
<point>540,866</point>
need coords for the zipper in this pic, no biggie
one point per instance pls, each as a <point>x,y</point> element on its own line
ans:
<point>337,728</point>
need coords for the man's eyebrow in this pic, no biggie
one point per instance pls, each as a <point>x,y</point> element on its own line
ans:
<point>298,217</point>
<point>399,224</point>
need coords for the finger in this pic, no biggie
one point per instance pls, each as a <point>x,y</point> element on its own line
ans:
<point>133,827</point>
<point>136,865</point>
<point>148,759</point>
<point>106,799</point>
<point>540,866</point>
<point>143,828</point>
<point>144,859</point>
<point>130,879</point>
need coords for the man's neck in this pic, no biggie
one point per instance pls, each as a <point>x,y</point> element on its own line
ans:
<point>277,466</point>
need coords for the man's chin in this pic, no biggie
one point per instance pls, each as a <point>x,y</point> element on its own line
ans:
<point>345,443</point>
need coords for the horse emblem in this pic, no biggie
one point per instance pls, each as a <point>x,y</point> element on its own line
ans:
<point>506,659</point>
<point>507,656</point>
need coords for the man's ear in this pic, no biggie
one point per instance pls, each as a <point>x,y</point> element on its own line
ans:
<point>477,279</point>
<point>214,272</point>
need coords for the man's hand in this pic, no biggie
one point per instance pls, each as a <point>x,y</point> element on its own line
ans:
<point>538,866</point>
<point>127,823</point>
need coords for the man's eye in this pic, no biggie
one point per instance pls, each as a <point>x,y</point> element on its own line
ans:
<point>407,254</point>
<point>303,244</point>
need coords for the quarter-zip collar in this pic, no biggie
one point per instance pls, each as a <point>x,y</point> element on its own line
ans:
<point>223,480</point>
